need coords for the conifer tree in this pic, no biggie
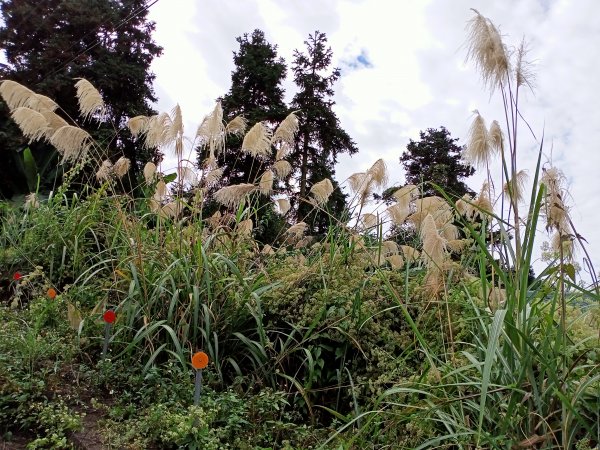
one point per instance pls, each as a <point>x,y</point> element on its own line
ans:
<point>257,95</point>
<point>320,138</point>
<point>49,44</point>
<point>436,159</point>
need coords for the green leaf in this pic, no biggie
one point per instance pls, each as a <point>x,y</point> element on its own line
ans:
<point>170,177</point>
<point>569,269</point>
<point>31,170</point>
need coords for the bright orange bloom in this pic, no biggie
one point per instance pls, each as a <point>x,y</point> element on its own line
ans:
<point>199,360</point>
<point>51,293</point>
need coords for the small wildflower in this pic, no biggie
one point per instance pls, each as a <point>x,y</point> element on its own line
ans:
<point>51,293</point>
<point>109,316</point>
<point>17,276</point>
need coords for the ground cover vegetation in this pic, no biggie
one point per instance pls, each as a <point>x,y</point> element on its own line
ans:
<point>330,335</point>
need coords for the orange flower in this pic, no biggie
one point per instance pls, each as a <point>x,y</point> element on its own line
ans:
<point>199,360</point>
<point>51,293</point>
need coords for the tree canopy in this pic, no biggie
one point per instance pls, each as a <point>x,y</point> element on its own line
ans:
<point>49,44</point>
<point>320,138</point>
<point>436,160</point>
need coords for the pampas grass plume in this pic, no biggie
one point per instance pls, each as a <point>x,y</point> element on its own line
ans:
<point>286,131</point>
<point>231,196</point>
<point>283,204</point>
<point>321,191</point>
<point>90,100</point>
<point>257,141</point>
<point>297,230</point>
<point>122,166</point>
<point>72,142</point>
<point>32,123</point>
<point>281,169</point>
<point>149,172</point>
<point>487,51</point>
<point>479,151</point>
<point>15,95</point>
<point>105,171</point>
<point>396,261</point>
<point>378,173</point>
<point>41,103</point>
<point>237,126</point>
<point>265,185</point>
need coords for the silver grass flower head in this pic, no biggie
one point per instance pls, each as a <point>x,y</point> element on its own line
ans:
<point>40,103</point>
<point>378,173</point>
<point>257,141</point>
<point>71,142</point>
<point>54,122</point>
<point>211,131</point>
<point>138,125</point>
<point>265,184</point>
<point>105,172</point>
<point>237,126</point>
<point>176,128</point>
<point>170,210</point>
<point>496,137</point>
<point>297,230</point>
<point>396,261</point>
<point>404,196</point>
<point>188,175</point>
<point>232,196</point>
<point>397,213</point>
<point>479,152</point>
<point>524,74</point>
<point>157,130</point>
<point>283,150</point>
<point>483,204</point>
<point>283,205</point>
<point>31,201</point>
<point>267,250</point>
<point>14,94</point>
<point>281,169</point>
<point>464,207</point>
<point>245,227</point>
<point>149,172</point>
<point>357,241</point>
<point>286,131</point>
<point>90,100</point>
<point>369,220</point>
<point>487,51</point>
<point>122,166</point>
<point>457,245</point>
<point>213,177</point>
<point>32,123</point>
<point>160,192</point>
<point>434,245</point>
<point>410,253</point>
<point>389,248</point>
<point>555,209</point>
<point>215,220</point>
<point>153,204</point>
<point>449,231</point>
<point>515,188</point>
<point>566,242</point>
<point>321,191</point>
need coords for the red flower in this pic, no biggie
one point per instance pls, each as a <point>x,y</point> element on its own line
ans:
<point>17,276</point>
<point>109,316</point>
<point>51,293</point>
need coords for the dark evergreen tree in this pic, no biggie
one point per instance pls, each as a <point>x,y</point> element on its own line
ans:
<point>320,137</point>
<point>256,93</point>
<point>48,44</point>
<point>436,159</point>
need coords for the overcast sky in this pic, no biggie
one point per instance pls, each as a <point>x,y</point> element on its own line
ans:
<point>403,70</point>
